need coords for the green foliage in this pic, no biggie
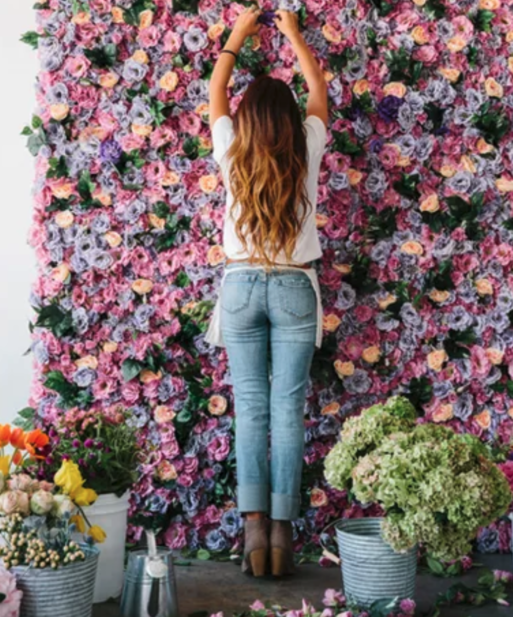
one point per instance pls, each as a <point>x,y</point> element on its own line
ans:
<point>380,224</point>
<point>153,361</point>
<point>383,7</point>
<point>85,187</point>
<point>419,391</point>
<point>345,145</point>
<point>25,419</point>
<point>57,168</point>
<point>31,38</point>
<point>70,394</point>
<point>436,115</point>
<point>493,123</point>
<point>251,60</point>
<point>359,277</point>
<point>440,278</point>
<point>435,9</point>
<point>165,239</point>
<point>131,16</point>
<point>323,370</point>
<point>407,186</point>
<point>482,20</point>
<point>403,67</point>
<point>55,319</point>
<point>456,342</point>
<point>188,6</point>
<point>102,57</point>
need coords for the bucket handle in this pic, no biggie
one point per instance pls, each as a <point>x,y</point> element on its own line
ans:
<point>325,551</point>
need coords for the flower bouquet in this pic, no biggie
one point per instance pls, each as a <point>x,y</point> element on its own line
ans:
<point>37,518</point>
<point>436,487</point>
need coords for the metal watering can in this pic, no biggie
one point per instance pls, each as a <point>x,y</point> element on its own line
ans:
<point>150,586</point>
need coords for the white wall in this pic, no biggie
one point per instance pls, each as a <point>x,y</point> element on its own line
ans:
<point>18,68</point>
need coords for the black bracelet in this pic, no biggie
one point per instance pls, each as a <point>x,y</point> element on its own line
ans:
<point>229,51</point>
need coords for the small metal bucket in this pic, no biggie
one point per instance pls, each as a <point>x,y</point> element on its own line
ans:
<point>65,592</point>
<point>371,570</point>
<point>145,595</point>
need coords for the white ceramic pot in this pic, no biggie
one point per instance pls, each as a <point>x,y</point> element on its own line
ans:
<point>110,513</point>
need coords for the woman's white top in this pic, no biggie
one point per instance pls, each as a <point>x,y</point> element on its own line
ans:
<point>307,247</point>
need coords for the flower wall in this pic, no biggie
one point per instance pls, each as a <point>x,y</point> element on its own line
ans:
<point>415,217</point>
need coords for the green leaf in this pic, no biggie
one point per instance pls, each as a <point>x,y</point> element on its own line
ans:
<point>26,131</point>
<point>203,554</point>
<point>102,57</point>
<point>435,8</point>
<point>345,145</point>
<point>55,319</point>
<point>161,209</point>
<point>58,168</point>
<point>36,141</point>
<point>435,566</point>
<point>131,368</point>
<point>407,186</point>
<point>37,122</point>
<point>184,416</point>
<point>482,20</point>
<point>31,38</point>
<point>436,115</point>
<point>25,419</point>
<point>182,280</point>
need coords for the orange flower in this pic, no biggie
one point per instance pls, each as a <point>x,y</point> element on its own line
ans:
<point>18,439</point>
<point>36,440</point>
<point>5,435</point>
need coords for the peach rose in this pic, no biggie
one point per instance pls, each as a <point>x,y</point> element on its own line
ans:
<point>436,358</point>
<point>108,80</point>
<point>64,219</point>
<point>117,15</point>
<point>208,184</point>
<point>386,301</point>
<point>110,346</point>
<point>360,87</point>
<point>14,502</point>
<point>61,273</point>
<point>439,296</point>
<point>456,44</point>
<point>489,5</point>
<point>63,190</point>
<point>483,147</point>
<point>443,413</point>
<point>147,376</point>
<point>419,2</point>
<point>318,498</point>
<point>166,471</point>
<point>354,176</point>
<point>330,322</point>
<point>142,286</point>
<point>420,35</point>
<point>163,414</point>
<point>451,75</point>
<point>113,239</point>
<point>510,64</point>
<point>448,171</point>
<point>484,287</point>
<point>215,30</point>
<point>215,255</point>
<point>170,178</point>
<point>430,204</point>
<point>510,412</point>
<point>140,56</point>
<point>321,220</point>
<point>412,247</point>
<point>331,34</point>
<point>484,419</point>
<point>331,409</point>
<point>342,268</point>
<point>494,355</point>
<point>87,362</point>
<point>104,198</point>
<point>468,164</point>
<point>59,111</point>
<point>371,354</point>
<point>143,130</point>
<point>145,19</point>
<point>343,369</point>
<point>504,185</point>
<point>217,405</point>
<point>493,88</point>
<point>169,81</point>
<point>155,221</point>
<point>395,88</point>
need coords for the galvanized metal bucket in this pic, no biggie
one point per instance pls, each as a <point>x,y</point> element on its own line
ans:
<point>150,585</point>
<point>371,570</point>
<point>65,592</point>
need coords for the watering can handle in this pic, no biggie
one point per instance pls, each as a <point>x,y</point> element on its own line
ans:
<point>325,552</point>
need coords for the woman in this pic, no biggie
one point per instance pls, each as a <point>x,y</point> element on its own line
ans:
<point>268,314</point>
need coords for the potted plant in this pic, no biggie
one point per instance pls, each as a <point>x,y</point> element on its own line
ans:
<point>54,573</point>
<point>103,444</point>
<point>436,488</point>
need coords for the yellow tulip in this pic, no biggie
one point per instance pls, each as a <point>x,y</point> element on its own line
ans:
<point>97,533</point>
<point>68,477</point>
<point>5,462</point>
<point>84,496</point>
<point>79,523</point>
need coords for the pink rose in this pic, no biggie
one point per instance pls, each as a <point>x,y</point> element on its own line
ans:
<point>14,502</point>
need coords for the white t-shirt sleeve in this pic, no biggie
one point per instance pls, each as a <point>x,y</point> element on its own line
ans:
<point>316,135</point>
<point>222,135</point>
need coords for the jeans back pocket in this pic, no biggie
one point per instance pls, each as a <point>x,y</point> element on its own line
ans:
<point>236,290</point>
<point>296,295</point>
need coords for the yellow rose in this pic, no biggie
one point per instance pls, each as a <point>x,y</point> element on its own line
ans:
<point>68,478</point>
<point>420,35</point>
<point>443,413</point>
<point>360,87</point>
<point>215,255</point>
<point>331,409</point>
<point>371,354</point>
<point>142,286</point>
<point>208,184</point>
<point>97,534</point>
<point>64,219</point>
<point>430,204</point>
<point>59,111</point>
<point>419,2</point>
<point>79,523</point>
<point>436,358</point>
<point>143,130</point>
<point>395,88</point>
<point>342,268</point>
<point>494,355</point>
<point>331,34</point>
<point>113,239</point>
<point>412,247</point>
<point>493,88</point>
<point>145,19</point>
<point>217,405</point>
<point>84,496</point>
<point>108,80</point>
<point>215,30</point>
<point>169,81</point>
<point>343,369</point>
<point>386,301</point>
<point>457,43</point>
<point>140,56</point>
<point>504,185</point>
<point>439,296</point>
<point>354,176</point>
<point>61,272</point>
<point>451,75</point>
<point>321,220</point>
<point>484,419</point>
<point>484,287</point>
<point>87,362</point>
<point>330,322</point>
<point>5,463</point>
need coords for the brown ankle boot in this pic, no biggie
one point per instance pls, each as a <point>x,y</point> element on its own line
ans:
<point>282,555</point>
<point>256,546</point>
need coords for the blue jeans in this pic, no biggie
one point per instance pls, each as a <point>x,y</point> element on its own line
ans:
<point>268,323</point>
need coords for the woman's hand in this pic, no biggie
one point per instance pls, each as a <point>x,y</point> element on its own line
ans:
<point>246,23</point>
<point>287,23</point>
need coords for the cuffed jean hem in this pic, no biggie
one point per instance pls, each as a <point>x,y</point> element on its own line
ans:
<point>284,507</point>
<point>253,498</point>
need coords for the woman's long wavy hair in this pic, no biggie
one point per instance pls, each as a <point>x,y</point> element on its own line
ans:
<point>268,157</point>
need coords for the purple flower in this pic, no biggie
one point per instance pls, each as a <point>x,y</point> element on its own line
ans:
<point>110,151</point>
<point>267,18</point>
<point>75,443</point>
<point>407,606</point>
<point>89,443</point>
<point>388,108</point>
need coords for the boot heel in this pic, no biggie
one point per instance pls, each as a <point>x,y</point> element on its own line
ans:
<point>278,561</point>
<point>258,561</point>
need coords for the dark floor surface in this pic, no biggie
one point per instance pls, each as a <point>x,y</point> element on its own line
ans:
<point>213,587</point>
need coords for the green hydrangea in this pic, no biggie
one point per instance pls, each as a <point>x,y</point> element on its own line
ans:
<point>362,434</point>
<point>436,486</point>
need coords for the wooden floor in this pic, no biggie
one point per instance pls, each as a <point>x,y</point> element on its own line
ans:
<point>213,587</point>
